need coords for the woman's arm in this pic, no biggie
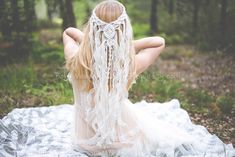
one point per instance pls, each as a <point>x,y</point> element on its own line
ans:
<point>148,49</point>
<point>72,37</point>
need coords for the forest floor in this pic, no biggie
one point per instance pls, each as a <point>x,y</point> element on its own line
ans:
<point>213,72</point>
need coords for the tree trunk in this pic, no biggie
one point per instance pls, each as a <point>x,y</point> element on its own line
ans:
<point>4,22</point>
<point>1,9</point>
<point>15,15</point>
<point>153,17</point>
<point>67,14</point>
<point>223,16</point>
<point>30,15</point>
<point>70,13</point>
<point>171,7</point>
<point>195,16</point>
<point>50,9</point>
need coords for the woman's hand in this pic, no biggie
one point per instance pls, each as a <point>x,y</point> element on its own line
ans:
<point>72,37</point>
<point>148,50</point>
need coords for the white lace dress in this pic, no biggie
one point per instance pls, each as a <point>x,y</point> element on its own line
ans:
<point>152,130</point>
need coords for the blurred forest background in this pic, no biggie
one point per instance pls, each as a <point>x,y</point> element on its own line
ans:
<point>197,67</point>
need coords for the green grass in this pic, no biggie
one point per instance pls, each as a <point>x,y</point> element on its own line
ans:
<point>28,85</point>
<point>199,97</point>
<point>161,88</point>
<point>225,103</point>
<point>15,77</point>
<point>158,87</point>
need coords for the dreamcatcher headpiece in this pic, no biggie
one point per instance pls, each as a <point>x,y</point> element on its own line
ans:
<point>110,47</point>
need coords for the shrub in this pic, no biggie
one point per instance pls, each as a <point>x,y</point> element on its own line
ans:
<point>161,86</point>
<point>225,103</point>
<point>200,98</point>
<point>166,88</point>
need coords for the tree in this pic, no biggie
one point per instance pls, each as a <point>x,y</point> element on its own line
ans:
<point>196,4</point>
<point>67,13</point>
<point>171,7</point>
<point>50,9</point>
<point>154,17</point>
<point>30,14</point>
<point>17,23</point>
<point>223,20</point>
<point>15,14</point>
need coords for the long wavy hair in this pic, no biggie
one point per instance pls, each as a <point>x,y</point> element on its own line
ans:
<point>80,65</point>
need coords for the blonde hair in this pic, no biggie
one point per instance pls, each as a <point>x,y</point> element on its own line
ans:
<point>80,65</point>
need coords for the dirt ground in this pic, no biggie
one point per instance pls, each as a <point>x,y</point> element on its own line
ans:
<point>213,72</point>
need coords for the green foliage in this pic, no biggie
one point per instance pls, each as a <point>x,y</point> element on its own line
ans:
<point>198,97</point>
<point>31,84</point>
<point>140,30</point>
<point>51,93</point>
<point>81,11</point>
<point>138,11</point>
<point>225,104</point>
<point>14,77</point>
<point>143,84</point>
<point>175,38</point>
<point>48,54</point>
<point>49,49</point>
<point>162,87</point>
<point>167,88</point>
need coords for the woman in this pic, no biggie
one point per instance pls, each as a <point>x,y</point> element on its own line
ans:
<point>78,54</point>
<point>103,62</point>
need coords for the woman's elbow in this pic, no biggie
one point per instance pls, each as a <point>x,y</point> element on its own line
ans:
<point>69,29</point>
<point>161,46</point>
<point>163,42</point>
<point>160,41</point>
